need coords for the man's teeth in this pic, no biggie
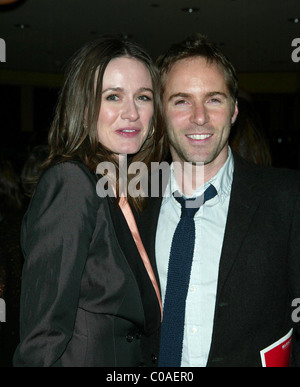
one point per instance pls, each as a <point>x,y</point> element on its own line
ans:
<point>198,136</point>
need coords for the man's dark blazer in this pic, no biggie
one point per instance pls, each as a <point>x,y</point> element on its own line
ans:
<point>87,299</point>
<point>259,272</point>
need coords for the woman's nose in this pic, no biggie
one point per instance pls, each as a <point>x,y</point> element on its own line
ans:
<point>130,111</point>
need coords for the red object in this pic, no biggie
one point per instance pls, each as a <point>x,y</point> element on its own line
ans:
<point>278,354</point>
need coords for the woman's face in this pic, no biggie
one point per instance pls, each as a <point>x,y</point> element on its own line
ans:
<point>126,106</point>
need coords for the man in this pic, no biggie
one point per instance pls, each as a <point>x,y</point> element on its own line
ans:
<point>245,270</point>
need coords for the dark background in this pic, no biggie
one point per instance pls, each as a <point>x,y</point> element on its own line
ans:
<point>41,35</point>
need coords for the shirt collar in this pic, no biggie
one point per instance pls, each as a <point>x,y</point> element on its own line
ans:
<point>222,181</point>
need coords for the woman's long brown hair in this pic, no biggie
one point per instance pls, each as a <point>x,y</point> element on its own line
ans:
<point>73,134</point>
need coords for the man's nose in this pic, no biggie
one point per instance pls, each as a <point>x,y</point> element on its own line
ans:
<point>199,114</point>
<point>130,111</point>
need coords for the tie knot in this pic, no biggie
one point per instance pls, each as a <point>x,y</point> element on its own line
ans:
<point>189,207</point>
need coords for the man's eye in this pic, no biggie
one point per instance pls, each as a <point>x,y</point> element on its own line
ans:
<point>215,100</point>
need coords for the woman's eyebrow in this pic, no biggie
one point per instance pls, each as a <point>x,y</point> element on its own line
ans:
<point>146,89</point>
<point>120,89</point>
<point>113,89</point>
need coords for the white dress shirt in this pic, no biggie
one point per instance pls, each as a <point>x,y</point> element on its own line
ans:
<point>210,221</point>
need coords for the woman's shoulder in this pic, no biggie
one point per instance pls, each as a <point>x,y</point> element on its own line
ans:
<point>69,178</point>
<point>70,171</point>
<point>67,186</point>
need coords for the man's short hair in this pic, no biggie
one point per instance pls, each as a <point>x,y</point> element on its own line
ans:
<point>199,46</point>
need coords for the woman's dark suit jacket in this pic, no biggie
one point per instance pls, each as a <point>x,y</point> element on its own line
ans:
<point>87,300</point>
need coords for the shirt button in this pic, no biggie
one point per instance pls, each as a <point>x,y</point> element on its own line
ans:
<point>192,288</point>
<point>194,330</point>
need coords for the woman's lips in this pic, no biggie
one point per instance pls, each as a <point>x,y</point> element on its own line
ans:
<point>128,132</point>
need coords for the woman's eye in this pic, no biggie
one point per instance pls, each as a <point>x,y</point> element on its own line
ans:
<point>112,97</point>
<point>144,98</point>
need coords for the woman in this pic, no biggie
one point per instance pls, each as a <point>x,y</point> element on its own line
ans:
<point>87,298</point>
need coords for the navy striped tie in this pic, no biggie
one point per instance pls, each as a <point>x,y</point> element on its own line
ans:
<point>179,271</point>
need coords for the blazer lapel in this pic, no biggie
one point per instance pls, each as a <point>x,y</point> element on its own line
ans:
<point>147,220</point>
<point>242,206</point>
<point>135,262</point>
<point>147,224</point>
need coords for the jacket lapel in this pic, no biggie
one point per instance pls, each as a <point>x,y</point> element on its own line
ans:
<point>147,224</point>
<point>148,219</point>
<point>135,262</point>
<point>242,207</point>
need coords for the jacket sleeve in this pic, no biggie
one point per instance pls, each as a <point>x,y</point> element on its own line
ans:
<point>55,237</point>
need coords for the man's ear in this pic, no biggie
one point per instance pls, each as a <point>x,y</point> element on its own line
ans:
<point>235,113</point>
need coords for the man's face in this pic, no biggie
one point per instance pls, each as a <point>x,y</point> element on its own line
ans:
<point>199,112</point>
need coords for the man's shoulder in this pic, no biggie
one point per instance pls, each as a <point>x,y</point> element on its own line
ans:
<point>267,175</point>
